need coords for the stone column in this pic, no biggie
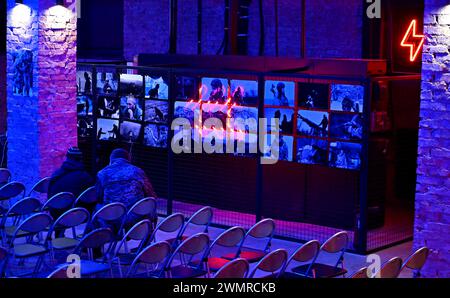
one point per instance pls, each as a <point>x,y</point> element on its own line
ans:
<point>41,87</point>
<point>432,218</point>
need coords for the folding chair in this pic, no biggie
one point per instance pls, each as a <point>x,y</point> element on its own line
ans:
<point>8,192</point>
<point>109,216</point>
<point>263,229</point>
<point>41,187</point>
<point>143,209</point>
<point>60,272</point>
<point>87,199</point>
<point>16,214</point>
<point>71,219</point>
<point>59,203</point>
<point>33,226</point>
<point>170,225</point>
<point>238,268</point>
<point>139,233</point>
<point>231,238</point>
<point>186,251</point>
<point>154,258</point>
<point>390,269</point>
<point>416,261</point>
<point>306,253</point>
<point>5,176</point>
<point>3,261</point>
<point>336,244</point>
<point>96,239</point>
<point>361,273</point>
<point>273,262</point>
<point>201,218</point>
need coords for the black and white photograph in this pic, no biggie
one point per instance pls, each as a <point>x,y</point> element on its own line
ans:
<point>312,123</point>
<point>131,108</point>
<point>186,88</point>
<point>85,127</point>
<point>156,135</point>
<point>214,90</point>
<point>347,98</point>
<point>156,87</point>
<point>187,110</point>
<point>313,96</point>
<point>107,129</point>
<point>245,119</point>
<point>156,111</point>
<point>84,105</point>
<point>285,147</point>
<point>218,111</point>
<point>346,126</point>
<point>108,107</point>
<point>244,92</point>
<point>278,93</point>
<point>286,119</point>
<point>107,83</point>
<point>130,131</point>
<point>131,84</point>
<point>84,82</point>
<point>312,151</point>
<point>345,155</point>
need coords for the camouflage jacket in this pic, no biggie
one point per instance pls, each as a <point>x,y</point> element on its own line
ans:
<point>123,182</point>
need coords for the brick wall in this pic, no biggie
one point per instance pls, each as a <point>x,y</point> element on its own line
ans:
<point>2,93</point>
<point>333,28</point>
<point>432,221</point>
<point>43,125</point>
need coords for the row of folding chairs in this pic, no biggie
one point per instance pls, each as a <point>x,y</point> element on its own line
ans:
<point>395,266</point>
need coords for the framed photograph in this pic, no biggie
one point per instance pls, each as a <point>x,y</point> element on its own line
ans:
<point>156,87</point>
<point>285,147</point>
<point>131,108</point>
<point>156,111</point>
<point>217,111</point>
<point>85,126</point>
<point>345,155</point>
<point>346,126</point>
<point>312,151</point>
<point>84,105</point>
<point>130,131</point>
<point>186,88</point>
<point>347,98</point>
<point>131,85</point>
<point>214,90</point>
<point>244,92</point>
<point>286,119</point>
<point>156,135</point>
<point>107,129</point>
<point>279,93</point>
<point>313,96</point>
<point>245,119</point>
<point>312,123</point>
<point>84,82</point>
<point>187,110</point>
<point>107,83</point>
<point>108,107</point>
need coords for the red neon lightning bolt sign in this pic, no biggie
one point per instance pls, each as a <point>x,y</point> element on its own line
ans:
<point>413,40</point>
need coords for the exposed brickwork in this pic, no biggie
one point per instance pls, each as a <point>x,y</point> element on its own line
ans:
<point>41,127</point>
<point>432,222</point>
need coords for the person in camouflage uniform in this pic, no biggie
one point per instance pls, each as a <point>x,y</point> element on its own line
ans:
<point>122,182</point>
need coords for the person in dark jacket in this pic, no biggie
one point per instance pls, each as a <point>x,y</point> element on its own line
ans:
<point>70,177</point>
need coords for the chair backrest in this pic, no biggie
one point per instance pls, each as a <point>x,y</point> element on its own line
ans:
<point>110,212</point>
<point>272,262</point>
<point>390,269</point>
<point>263,229</point>
<point>5,176</point>
<point>11,190</point>
<point>24,207</point>
<point>194,245</point>
<point>60,201</point>
<point>417,260</point>
<point>232,237</point>
<point>170,224</point>
<point>155,254</point>
<point>361,273</point>
<point>60,272</point>
<point>34,224</point>
<point>41,186</point>
<point>70,219</point>
<point>95,239</point>
<point>3,260</point>
<point>238,268</point>
<point>306,253</point>
<point>336,243</point>
<point>139,232</point>
<point>144,208</point>
<point>89,196</point>
<point>202,217</point>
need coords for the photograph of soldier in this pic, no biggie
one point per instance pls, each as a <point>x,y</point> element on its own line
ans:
<point>186,88</point>
<point>218,111</point>
<point>84,82</point>
<point>187,110</point>
<point>279,93</point>
<point>312,123</point>
<point>345,155</point>
<point>312,151</point>
<point>313,96</point>
<point>245,119</point>
<point>286,119</point>
<point>131,108</point>
<point>107,83</point>
<point>285,147</point>
<point>131,84</point>
<point>107,129</point>
<point>85,127</point>
<point>156,111</point>
<point>347,98</point>
<point>108,107</point>
<point>129,131</point>
<point>346,126</point>
<point>84,105</point>
<point>244,92</point>
<point>214,90</point>
<point>156,87</point>
<point>155,135</point>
